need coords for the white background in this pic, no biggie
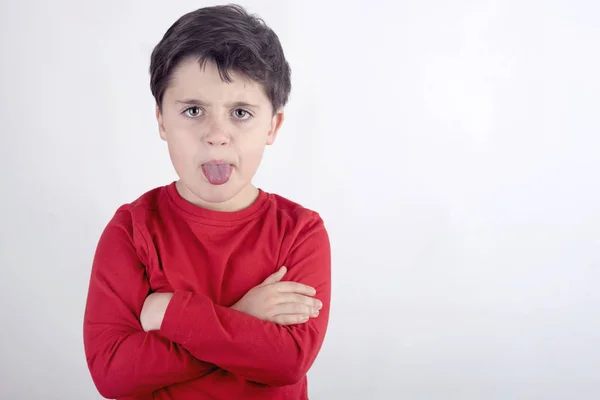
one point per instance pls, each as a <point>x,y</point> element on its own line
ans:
<point>450,146</point>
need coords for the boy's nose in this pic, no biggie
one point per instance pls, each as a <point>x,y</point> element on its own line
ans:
<point>217,142</point>
<point>217,138</point>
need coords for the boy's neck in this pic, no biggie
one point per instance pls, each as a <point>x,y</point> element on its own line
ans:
<point>242,200</point>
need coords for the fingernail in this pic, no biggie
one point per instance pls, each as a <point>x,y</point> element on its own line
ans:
<point>304,318</point>
<point>315,314</point>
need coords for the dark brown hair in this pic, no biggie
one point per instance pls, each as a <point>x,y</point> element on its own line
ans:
<point>230,37</point>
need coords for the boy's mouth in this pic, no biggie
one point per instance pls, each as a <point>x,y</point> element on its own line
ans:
<point>217,172</point>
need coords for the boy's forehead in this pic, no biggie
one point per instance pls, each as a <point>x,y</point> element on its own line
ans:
<point>192,80</point>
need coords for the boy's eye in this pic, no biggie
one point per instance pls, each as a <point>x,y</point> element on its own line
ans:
<point>241,114</point>
<point>192,111</point>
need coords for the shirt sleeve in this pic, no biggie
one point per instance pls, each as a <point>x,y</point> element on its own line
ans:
<point>257,350</point>
<point>124,360</point>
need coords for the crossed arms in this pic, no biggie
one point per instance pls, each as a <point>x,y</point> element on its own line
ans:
<point>137,342</point>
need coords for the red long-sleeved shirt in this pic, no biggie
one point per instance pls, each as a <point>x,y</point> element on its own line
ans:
<point>209,260</point>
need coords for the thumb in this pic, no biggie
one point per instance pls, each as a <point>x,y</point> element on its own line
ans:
<point>276,277</point>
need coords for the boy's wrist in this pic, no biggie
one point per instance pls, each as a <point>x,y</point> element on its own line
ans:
<point>162,309</point>
<point>153,311</point>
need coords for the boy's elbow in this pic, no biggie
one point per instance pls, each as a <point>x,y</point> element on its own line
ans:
<point>287,373</point>
<point>293,366</point>
<point>291,378</point>
<point>109,390</point>
<point>110,386</point>
<point>106,387</point>
<point>281,378</point>
<point>108,393</point>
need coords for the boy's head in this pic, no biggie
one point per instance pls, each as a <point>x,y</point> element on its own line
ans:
<point>220,81</point>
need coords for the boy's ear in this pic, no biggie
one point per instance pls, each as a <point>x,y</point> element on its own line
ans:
<point>276,122</point>
<point>161,127</point>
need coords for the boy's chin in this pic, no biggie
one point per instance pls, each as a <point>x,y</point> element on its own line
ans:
<point>217,194</point>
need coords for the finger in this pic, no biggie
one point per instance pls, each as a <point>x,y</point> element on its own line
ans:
<point>290,319</point>
<point>275,277</point>
<point>298,298</point>
<point>295,287</point>
<point>293,308</point>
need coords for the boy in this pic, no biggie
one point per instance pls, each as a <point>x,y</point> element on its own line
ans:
<point>210,288</point>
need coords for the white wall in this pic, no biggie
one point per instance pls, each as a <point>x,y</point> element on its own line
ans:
<point>455,160</point>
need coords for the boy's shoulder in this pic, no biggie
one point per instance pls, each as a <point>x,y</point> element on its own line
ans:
<point>295,213</point>
<point>141,208</point>
<point>147,202</point>
<point>286,205</point>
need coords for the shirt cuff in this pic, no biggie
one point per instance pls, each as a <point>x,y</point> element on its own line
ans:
<point>180,320</point>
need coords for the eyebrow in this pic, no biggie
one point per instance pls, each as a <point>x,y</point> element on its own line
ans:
<point>196,102</point>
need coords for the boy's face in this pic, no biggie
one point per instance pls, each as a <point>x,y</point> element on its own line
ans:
<point>216,133</point>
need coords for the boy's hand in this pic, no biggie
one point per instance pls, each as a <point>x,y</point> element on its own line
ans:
<point>153,310</point>
<point>285,303</point>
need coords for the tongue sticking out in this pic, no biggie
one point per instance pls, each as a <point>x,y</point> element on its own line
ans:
<point>217,173</point>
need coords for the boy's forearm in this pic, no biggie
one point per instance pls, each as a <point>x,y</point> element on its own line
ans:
<point>128,364</point>
<point>246,346</point>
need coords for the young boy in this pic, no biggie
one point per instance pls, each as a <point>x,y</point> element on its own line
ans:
<point>210,288</point>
